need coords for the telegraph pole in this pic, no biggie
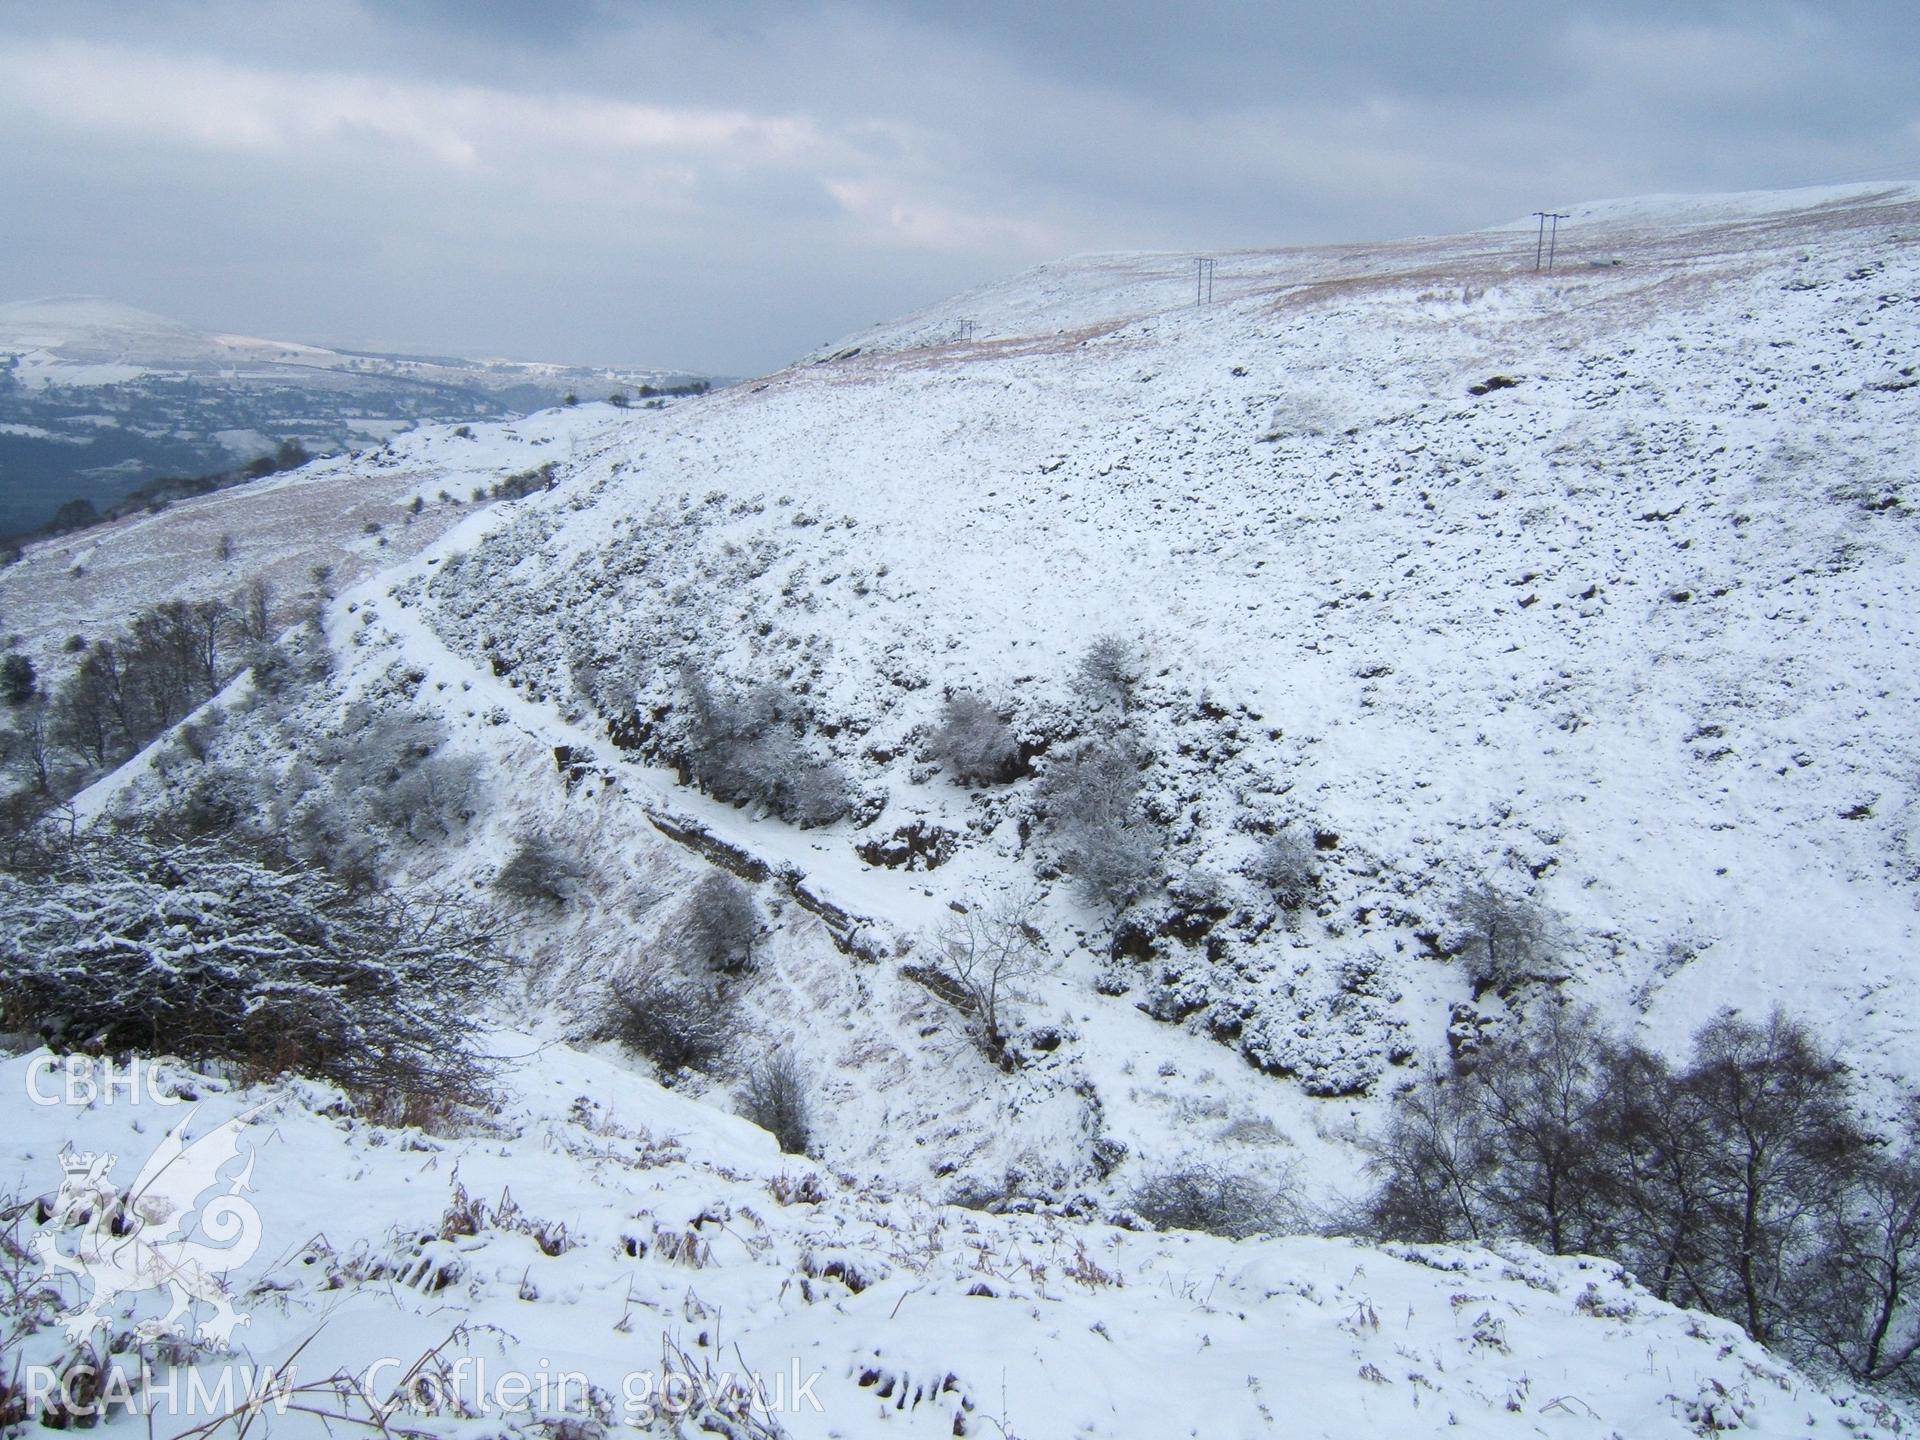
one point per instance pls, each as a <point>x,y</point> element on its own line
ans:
<point>1541,241</point>
<point>1203,281</point>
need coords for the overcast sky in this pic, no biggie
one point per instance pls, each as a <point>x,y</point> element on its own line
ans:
<point>721,186</point>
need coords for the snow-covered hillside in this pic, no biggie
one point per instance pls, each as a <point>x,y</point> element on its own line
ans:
<point>352,514</point>
<point>1632,635</point>
<point>1629,630</point>
<point>1596,585</point>
<point>1631,626</point>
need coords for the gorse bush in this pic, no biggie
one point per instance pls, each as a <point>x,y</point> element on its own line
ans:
<point>677,1023</point>
<point>974,742</point>
<point>1108,672</point>
<point>19,682</point>
<point>199,950</point>
<point>1287,868</point>
<point>1741,1183</point>
<point>540,872</point>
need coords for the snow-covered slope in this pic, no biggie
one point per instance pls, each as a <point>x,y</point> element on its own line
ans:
<point>1599,584</point>
<point>609,1254</point>
<point>1636,629</point>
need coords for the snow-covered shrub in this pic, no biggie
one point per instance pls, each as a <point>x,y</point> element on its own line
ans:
<point>1091,798</point>
<point>219,801</point>
<point>718,925</point>
<point>974,742</point>
<point>750,748</point>
<point>774,1096</point>
<point>203,951</point>
<point>1109,670</point>
<point>1286,867</point>
<point>394,767</point>
<point>539,872</point>
<point>678,1024</point>
<point>283,668</point>
<point>1501,939</point>
<point>1200,1195</point>
<point>318,828</point>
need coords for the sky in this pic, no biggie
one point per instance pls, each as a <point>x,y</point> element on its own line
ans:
<point>723,186</point>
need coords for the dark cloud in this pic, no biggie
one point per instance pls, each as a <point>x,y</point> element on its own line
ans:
<point>725,185</point>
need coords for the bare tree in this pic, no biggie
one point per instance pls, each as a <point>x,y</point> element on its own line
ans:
<point>1434,1162</point>
<point>1775,1107</point>
<point>82,717</point>
<point>1501,939</point>
<point>252,611</point>
<point>1852,1301</point>
<point>1540,1091</point>
<point>30,748</point>
<point>989,950</point>
<point>774,1096</point>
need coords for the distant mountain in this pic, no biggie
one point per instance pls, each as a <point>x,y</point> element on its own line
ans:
<point>99,399</point>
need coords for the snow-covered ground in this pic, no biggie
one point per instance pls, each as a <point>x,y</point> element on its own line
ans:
<point>611,1253</point>
<point>1635,632</point>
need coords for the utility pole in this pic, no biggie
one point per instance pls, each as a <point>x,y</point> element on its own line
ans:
<point>1542,241</point>
<point>1203,281</point>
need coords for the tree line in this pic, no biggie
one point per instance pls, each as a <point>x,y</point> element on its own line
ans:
<point>128,689</point>
<point>1742,1181</point>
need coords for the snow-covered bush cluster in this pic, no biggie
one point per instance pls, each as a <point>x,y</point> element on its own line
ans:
<point>202,950</point>
<point>974,742</point>
<point>677,1022</point>
<point>751,748</point>
<point>699,636</point>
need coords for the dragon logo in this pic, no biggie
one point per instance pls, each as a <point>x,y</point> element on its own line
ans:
<point>141,1239</point>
